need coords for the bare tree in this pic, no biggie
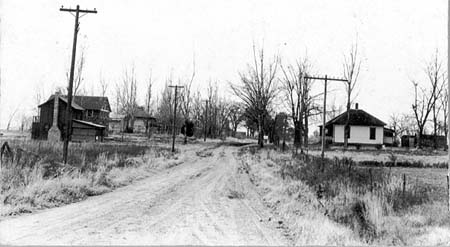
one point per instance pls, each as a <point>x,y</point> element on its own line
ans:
<point>127,96</point>
<point>165,106</point>
<point>25,122</point>
<point>297,89</point>
<point>334,111</point>
<point>443,101</point>
<point>236,110</point>
<point>148,93</point>
<point>186,100</point>
<point>258,89</point>
<point>198,113</point>
<point>425,100</point>
<point>148,101</point>
<point>222,118</point>
<point>400,125</point>
<point>11,118</point>
<point>213,103</point>
<point>436,76</point>
<point>352,66</point>
<point>39,95</point>
<point>103,87</point>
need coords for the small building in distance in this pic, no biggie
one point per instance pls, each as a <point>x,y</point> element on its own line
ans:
<point>116,123</point>
<point>139,122</point>
<point>365,130</point>
<point>411,141</point>
<point>90,116</point>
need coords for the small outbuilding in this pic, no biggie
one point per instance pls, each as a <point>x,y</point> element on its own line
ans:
<point>87,131</point>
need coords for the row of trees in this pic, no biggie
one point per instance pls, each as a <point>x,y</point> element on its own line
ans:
<point>265,79</point>
<point>429,108</point>
<point>260,84</point>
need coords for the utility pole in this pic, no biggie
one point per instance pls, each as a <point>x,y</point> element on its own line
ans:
<point>175,116</point>
<point>448,102</point>
<point>206,120</point>
<point>72,68</point>
<point>325,79</point>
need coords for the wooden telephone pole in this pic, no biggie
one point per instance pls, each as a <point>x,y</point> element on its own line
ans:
<point>175,116</point>
<point>72,68</point>
<point>325,79</point>
<point>448,102</point>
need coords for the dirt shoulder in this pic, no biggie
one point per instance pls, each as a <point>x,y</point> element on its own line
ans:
<point>204,201</point>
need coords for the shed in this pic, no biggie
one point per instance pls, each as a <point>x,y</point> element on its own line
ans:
<point>87,131</point>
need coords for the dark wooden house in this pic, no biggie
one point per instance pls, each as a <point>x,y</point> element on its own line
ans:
<point>90,115</point>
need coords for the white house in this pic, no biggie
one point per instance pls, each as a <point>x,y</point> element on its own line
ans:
<point>365,130</point>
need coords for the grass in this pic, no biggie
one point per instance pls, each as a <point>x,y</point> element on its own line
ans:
<point>391,157</point>
<point>34,178</point>
<point>359,204</point>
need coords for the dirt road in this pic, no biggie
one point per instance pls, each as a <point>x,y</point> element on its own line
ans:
<point>205,201</point>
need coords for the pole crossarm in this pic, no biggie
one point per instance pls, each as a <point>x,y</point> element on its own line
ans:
<point>327,78</point>
<point>79,10</point>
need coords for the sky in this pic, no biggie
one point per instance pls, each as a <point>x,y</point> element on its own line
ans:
<point>396,39</point>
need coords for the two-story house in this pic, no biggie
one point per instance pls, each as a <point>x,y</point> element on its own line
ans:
<point>90,116</point>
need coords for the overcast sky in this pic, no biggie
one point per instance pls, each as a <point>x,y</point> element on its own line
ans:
<point>396,39</point>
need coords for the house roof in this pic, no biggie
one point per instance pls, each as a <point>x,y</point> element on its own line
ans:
<point>85,102</point>
<point>93,102</point>
<point>89,123</point>
<point>357,117</point>
<point>74,105</point>
<point>142,113</point>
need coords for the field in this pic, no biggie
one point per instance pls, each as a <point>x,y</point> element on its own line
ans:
<point>353,203</point>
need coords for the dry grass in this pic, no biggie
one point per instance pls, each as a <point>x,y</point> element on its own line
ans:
<point>353,203</point>
<point>403,157</point>
<point>295,202</point>
<point>33,178</point>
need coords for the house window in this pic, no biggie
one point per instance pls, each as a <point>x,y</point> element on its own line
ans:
<point>373,133</point>
<point>90,113</point>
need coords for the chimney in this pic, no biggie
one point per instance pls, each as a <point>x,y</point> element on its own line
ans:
<point>356,106</point>
<point>55,109</point>
<point>54,134</point>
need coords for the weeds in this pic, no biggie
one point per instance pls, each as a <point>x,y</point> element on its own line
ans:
<point>378,205</point>
<point>35,178</point>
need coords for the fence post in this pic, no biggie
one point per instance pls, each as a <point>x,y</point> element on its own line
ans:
<point>404,184</point>
<point>371,179</point>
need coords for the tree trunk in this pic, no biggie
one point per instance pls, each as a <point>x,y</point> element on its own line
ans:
<point>434,128</point>
<point>297,134</point>
<point>346,127</point>
<point>445,131</point>
<point>306,140</point>
<point>419,137</point>
<point>260,133</point>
